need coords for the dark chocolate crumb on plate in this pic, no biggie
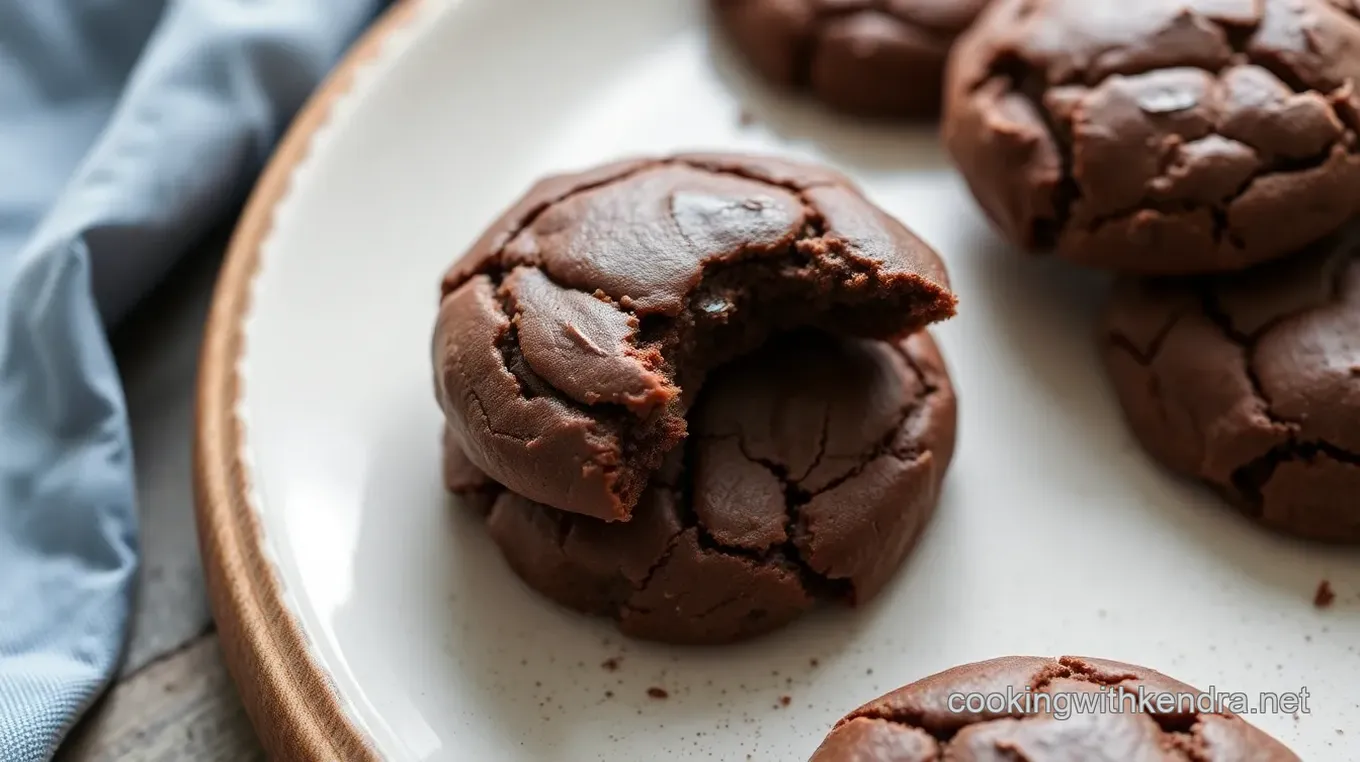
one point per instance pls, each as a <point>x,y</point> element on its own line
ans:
<point>1324,596</point>
<point>658,693</point>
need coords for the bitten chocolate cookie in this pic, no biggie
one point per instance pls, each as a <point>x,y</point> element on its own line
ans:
<point>811,470</point>
<point>1160,137</point>
<point>930,720</point>
<point>867,57</point>
<point>1251,382</point>
<point>573,336</point>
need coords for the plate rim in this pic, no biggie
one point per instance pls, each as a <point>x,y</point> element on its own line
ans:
<point>289,697</point>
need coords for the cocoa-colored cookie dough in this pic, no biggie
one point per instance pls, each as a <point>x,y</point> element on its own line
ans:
<point>1160,137</point>
<point>573,336</point>
<point>921,722</point>
<point>1251,382</point>
<point>867,57</point>
<point>811,469</point>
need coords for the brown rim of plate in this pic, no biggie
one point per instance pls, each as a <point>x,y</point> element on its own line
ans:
<point>290,699</point>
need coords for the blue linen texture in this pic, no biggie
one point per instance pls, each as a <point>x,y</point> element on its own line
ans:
<point>129,129</point>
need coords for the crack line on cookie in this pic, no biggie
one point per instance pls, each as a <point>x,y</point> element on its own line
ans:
<point>794,499</point>
<point>1146,357</point>
<point>1251,478</point>
<point>1214,311</point>
<point>928,381</point>
<point>885,446</point>
<point>660,562</point>
<point>1025,80</point>
<point>494,264</point>
<point>796,496</point>
<point>788,553</point>
<point>1219,210</point>
<point>822,440</point>
<point>481,409</point>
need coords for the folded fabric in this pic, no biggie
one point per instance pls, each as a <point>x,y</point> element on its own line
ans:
<point>128,129</point>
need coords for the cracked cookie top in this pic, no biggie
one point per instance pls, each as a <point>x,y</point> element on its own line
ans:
<point>1160,136</point>
<point>869,57</point>
<point>928,720</point>
<point>1252,383</point>
<point>811,469</point>
<point>574,334</point>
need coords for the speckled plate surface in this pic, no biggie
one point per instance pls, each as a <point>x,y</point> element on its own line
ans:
<point>366,617</point>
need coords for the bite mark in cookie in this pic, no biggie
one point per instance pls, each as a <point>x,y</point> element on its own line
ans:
<point>574,335</point>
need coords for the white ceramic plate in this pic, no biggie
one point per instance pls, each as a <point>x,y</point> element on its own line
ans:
<point>1056,535</point>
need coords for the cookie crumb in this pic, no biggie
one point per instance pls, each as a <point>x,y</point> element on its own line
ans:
<point>658,693</point>
<point>814,662</point>
<point>785,700</point>
<point>1324,595</point>
<point>611,664</point>
<point>609,694</point>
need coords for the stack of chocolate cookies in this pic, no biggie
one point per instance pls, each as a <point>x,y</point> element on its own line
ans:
<point>1207,151</point>
<point>694,394</point>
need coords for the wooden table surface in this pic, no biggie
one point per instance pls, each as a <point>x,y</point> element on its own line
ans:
<point>173,700</point>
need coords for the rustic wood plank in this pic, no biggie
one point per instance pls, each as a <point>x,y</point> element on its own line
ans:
<point>183,708</point>
<point>157,352</point>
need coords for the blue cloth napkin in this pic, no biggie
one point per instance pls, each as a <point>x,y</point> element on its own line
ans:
<point>128,129</point>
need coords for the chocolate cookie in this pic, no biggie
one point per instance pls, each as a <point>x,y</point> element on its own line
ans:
<point>868,57</point>
<point>1251,382</point>
<point>930,719</point>
<point>573,336</point>
<point>1160,136</point>
<point>811,470</point>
